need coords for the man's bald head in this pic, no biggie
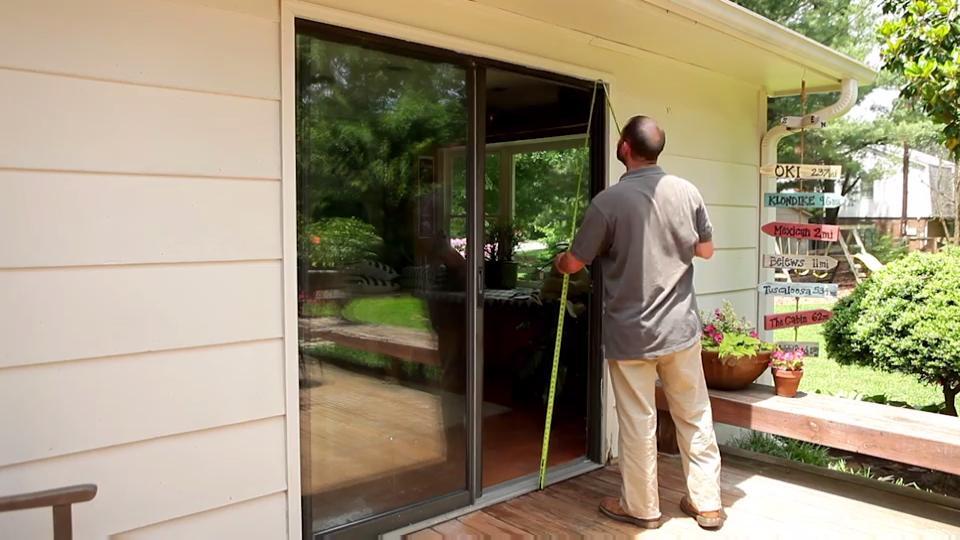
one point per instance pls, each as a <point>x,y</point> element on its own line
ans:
<point>644,138</point>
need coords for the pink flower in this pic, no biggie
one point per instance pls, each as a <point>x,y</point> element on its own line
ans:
<point>719,314</point>
<point>754,334</point>
<point>718,337</point>
<point>710,329</point>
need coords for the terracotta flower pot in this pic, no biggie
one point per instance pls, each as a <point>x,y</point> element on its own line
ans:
<point>732,374</point>
<point>786,382</point>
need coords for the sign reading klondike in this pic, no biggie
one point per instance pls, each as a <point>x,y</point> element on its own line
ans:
<point>799,262</point>
<point>799,318</point>
<point>803,231</point>
<point>802,200</point>
<point>804,172</point>
<point>809,348</point>
<point>800,290</point>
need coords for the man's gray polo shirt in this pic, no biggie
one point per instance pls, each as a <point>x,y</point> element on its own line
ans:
<point>644,231</point>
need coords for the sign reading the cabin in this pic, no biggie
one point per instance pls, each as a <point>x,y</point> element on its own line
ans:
<point>800,290</point>
<point>803,172</point>
<point>809,348</point>
<point>799,262</point>
<point>802,200</point>
<point>793,320</point>
<point>802,231</point>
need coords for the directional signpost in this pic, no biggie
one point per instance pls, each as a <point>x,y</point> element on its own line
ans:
<point>800,290</point>
<point>796,319</point>
<point>802,231</point>
<point>803,172</point>
<point>809,348</point>
<point>802,200</point>
<point>800,262</point>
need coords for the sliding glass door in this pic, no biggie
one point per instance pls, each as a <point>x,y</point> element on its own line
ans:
<point>412,162</point>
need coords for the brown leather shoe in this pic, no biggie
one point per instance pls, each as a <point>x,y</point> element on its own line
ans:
<point>711,521</point>
<point>610,507</point>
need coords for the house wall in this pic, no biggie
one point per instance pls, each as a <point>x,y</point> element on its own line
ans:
<point>141,333</point>
<point>141,165</point>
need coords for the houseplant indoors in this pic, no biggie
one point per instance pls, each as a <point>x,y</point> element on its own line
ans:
<point>499,266</point>
<point>733,353</point>
<point>787,368</point>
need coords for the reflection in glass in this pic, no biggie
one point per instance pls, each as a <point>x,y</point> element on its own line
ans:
<point>381,283</point>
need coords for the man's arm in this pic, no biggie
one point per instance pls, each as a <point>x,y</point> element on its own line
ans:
<point>568,263</point>
<point>704,250</point>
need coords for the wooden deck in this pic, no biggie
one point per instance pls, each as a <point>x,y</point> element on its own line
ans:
<point>762,501</point>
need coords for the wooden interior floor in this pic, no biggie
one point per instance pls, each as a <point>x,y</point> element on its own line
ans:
<point>762,501</point>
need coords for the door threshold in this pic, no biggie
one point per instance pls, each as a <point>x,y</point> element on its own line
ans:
<point>499,493</point>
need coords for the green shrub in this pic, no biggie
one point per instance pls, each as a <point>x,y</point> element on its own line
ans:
<point>338,242</point>
<point>885,247</point>
<point>905,318</point>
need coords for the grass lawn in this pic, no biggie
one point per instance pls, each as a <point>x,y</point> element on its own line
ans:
<point>401,310</point>
<point>826,375</point>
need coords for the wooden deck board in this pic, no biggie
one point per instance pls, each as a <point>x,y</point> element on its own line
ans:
<point>761,500</point>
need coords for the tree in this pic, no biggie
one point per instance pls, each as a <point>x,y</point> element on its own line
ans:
<point>904,319</point>
<point>921,41</point>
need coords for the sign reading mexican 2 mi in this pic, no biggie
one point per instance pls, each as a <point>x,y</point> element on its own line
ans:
<point>809,348</point>
<point>803,231</point>
<point>799,290</point>
<point>803,172</point>
<point>802,200</point>
<point>799,262</point>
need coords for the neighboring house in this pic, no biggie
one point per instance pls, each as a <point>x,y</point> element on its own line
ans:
<point>149,269</point>
<point>929,196</point>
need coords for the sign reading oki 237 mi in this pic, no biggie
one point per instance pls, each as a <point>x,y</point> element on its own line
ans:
<point>799,318</point>
<point>803,172</point>
<point>803,231</point>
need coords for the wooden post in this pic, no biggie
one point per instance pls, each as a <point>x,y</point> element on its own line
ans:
<point>906,190</point>
<point>62,522</point>
<point>666,434</point>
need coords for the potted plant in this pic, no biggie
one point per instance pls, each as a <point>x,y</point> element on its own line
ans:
<point>733,354</point>
<point>787,368</point>
<point>499,266</point>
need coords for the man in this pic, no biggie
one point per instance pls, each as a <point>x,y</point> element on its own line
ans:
<point>646,231</point>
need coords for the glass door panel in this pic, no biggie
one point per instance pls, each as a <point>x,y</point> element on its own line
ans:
<point>382,327</point>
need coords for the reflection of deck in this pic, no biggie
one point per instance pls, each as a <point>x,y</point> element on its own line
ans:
<point>762,501</point>
<point>394,341</point>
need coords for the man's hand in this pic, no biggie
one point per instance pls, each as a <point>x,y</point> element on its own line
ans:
<point>567,263</point>
<point>704,250</point>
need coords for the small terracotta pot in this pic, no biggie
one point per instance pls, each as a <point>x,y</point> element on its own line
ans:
<point>786,382</point>
<point>720,376</point>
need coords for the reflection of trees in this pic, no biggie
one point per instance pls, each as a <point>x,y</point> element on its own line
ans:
<point>545,190</point>
<point>363,119</point>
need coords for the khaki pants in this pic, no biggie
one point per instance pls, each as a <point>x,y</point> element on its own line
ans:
<point>634,385</point>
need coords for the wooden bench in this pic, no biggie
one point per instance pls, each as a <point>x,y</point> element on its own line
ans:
<point>61,499</point>
<point>903,435</point>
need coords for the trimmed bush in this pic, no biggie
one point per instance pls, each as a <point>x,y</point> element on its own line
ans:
<point>905,318</point>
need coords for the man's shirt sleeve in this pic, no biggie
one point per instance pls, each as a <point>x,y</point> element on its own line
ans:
<point>704,226</point>
<point>594,236</point>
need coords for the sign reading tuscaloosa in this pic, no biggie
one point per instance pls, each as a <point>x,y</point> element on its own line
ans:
<point>800,290</point>
<point>805,172</point>
<point>799,262</point>
<point>803,231</point>
<point>799,318</point>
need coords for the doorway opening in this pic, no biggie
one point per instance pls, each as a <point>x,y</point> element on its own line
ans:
<point>404,155</point>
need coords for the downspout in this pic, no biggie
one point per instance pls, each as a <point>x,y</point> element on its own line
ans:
<point>768,155</point>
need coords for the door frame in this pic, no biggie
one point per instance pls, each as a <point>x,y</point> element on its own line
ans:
<point>351,28</point>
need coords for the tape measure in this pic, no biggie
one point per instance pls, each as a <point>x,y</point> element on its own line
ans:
<point>561,315</point>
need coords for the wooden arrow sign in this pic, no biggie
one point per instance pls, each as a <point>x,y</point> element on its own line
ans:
<point>799,262</point>
<point>802,200</point>
<point>809,348</point>
<point>800,290</point>
<point>803,172</point>
<point>793,320</point>
<point>803,231</point>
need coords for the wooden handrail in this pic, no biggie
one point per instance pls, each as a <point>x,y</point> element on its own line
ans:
<point>60,499</point>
